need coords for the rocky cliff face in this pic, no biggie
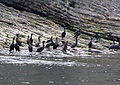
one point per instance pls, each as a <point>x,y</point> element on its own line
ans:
<point>92,16</point>
<point>103,14</point>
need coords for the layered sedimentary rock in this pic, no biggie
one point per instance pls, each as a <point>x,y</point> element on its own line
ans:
<point>92,16</point>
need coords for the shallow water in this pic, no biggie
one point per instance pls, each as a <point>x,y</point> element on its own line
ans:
<point>22,69</point>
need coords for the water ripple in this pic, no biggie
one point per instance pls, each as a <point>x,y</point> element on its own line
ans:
<point>28,60</point>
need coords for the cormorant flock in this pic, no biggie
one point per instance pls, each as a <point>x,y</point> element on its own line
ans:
<point>55,45</point>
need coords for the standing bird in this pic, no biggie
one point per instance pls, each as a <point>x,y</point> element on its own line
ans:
<point>56,44</point>
<point>50,43</point>
<point>63,33</point>
<point>12,46</point>
<point>28,40</point>
<point>63,42</point>
<point>40,49</point>
<point>31,40</point>
<point>30,47</point>
<point>17,40</point>
<point>76,42</point>
<point>37,43</point>
<point>65,47</point>
<point>90,43</point>
<point>17,48</point>
<point>51,39</point>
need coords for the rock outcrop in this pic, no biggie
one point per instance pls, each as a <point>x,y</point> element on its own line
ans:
<point>92,16</point>
<point>103,14</point>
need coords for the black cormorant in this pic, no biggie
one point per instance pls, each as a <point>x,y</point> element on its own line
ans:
<point>28,40</point>
<point>17,40</point>
<point>51,39</point>
<point>63,33</point>
<point>63,43</point>
<point>50,43</point>
<point>65,47</point>
<point>37,43</point>
<point>76,42</point>
<point>31,40</point>
<point>30,47</point>
<point>90,43</point>
<point>40,49</point>
<point>17,48</point>
<point>12,46</point>
<point>56,44</point>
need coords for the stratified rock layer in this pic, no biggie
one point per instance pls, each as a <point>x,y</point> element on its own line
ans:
<point>92,16</point>
<point>100,16</point>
